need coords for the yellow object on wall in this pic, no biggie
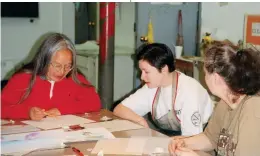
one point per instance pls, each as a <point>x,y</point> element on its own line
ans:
<point>207,38</point>
<point>150,38</point>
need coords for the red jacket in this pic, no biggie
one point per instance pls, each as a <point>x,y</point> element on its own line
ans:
<point>68,97</point>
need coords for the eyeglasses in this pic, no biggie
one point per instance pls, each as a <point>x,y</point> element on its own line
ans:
<point>59,67</point>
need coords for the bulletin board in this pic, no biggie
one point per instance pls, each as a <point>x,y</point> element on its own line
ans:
<point>252,31</point>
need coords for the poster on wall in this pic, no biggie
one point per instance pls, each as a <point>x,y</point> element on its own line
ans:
<point>252,31</point>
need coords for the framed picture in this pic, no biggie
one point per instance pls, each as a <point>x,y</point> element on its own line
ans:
<point>252,31</point>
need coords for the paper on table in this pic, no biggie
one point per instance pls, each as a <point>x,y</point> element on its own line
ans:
<point>58,122</point>
<point>30,145</point>
<point>89,134</point>
<point>98,133</point>
<point>136,144</point>
<point>57,134</point>
<point>133,146</point>
<point>17,153</point>
<point>116,146</point>
<point>50,139</point>
<point>115,125</point>
<point>18,129</point>
<point>60,134</point>
<point>4,122</point>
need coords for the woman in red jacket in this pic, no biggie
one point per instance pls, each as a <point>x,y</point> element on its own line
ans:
<point>50,85</point>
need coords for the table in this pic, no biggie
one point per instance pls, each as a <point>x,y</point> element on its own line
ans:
<point>83,146</point>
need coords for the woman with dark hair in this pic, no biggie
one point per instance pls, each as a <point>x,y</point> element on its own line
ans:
<point>178,103</point>
<point>234,128</point>
<point>50,85</point>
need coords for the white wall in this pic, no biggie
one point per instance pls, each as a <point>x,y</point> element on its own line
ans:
<point>226,22</point>
<point>18,35</point>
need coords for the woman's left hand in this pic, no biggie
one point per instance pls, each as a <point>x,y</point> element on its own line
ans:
<point>53,112</point>
<point>182,151</point>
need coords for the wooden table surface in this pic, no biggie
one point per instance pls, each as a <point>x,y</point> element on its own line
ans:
<point>85,146</point>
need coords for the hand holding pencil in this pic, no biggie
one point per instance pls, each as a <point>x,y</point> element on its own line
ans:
<point>37,113</point>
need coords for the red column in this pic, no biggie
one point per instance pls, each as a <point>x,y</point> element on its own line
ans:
<point>106,53</point>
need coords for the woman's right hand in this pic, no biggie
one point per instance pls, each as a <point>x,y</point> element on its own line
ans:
<point>37,113</point>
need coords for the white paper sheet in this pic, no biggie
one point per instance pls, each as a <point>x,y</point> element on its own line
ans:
<point>58,122</point>
<point>88,135</point>
<point>133,146</point>
<point>154,143</point>
<point>114,147</point>
<point>99,133</point>
<point>12,129</point>
<point>115,125</point>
